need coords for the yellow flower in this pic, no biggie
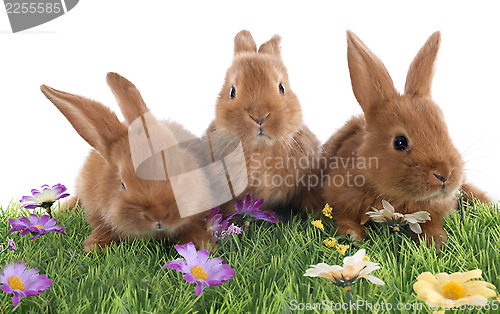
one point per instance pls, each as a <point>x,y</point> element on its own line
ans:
<point>318,224</point>
<point>330,242</point>
<point>453,290</point>
<point>366,258</point>
<point>342,249</point>
<point>327,211</point>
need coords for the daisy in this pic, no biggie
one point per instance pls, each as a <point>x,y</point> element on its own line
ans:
<point>453,290</point>
<point>45,197</point>
<point>355,268</point>
<point>395,219</point>
<point>247,208</point>
<point>22,282</point>
<point>199,269</point>
<point>35,225</point>
<point>217,222</point>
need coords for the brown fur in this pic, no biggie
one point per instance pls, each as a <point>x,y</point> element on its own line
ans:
<point>147,208</point>
<point>256,77</point>
<point>471,192</point>
<point>406,179</point>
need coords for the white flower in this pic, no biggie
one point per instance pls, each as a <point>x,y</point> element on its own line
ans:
<point>354,267</point>
<point>415,219</point>
<point>387,214</point>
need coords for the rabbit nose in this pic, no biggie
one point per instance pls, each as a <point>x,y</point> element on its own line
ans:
<point>260,121</point>
<point>441,178</point>
<point>158,224</point>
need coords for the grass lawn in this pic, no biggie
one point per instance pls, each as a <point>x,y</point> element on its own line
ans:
<point>270,261</point>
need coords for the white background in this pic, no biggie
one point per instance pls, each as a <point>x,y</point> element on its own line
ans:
<point>177,55</point>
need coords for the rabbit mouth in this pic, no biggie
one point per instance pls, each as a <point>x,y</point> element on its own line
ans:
<point>159,227</point>
<point>262,136</point>
<point>441,193</point>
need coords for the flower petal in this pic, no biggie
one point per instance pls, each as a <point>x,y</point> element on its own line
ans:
<point>356,258</point>
<point>415,227</point>
<point>239,207</point>
<point>43,219</point>
<point>374,280</point>
<point>189,278</point>
<point>188,251</point>
<point>247,203</point>
<point>33,219</point>
<point>175,264</point>
<point>199,289</point>
<point>7,288</point>
<point>15,299</point>
<point>387,206</point>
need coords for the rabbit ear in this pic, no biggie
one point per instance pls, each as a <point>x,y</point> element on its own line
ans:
<point>272,46</point>
<point>95,123</point>
<point>370,80</point>
<point>419,78</point>
<point>243,42</point>
<point>128,96</point>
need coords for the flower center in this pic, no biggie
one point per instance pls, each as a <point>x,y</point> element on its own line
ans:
<point>38,226</point>
<point>16,283</point>
<point>199,273</point>
<point>453,290</point>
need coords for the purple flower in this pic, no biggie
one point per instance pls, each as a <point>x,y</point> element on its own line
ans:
<point>217,222</point>
<point>246,207</point>
<point>199,269</point>
<point>35,225</point>
<point>267,215</point>
<point>232,229</point>
<point>45,197</point>
<point>23,282</point>
<point>11,245</point>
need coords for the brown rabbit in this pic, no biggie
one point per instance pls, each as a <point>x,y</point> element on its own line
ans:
<point>257,105</point>
<point>117,202</point>
<point>401,148</point>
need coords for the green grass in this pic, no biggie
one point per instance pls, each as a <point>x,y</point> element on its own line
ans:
<point>269,259</point>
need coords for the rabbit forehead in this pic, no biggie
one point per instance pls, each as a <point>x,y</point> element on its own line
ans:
<point>256,70</point>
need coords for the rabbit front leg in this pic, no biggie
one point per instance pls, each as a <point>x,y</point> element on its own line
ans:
<point>350,227</point>
<point>100,237</point>
<point>432,231</point>
<point>197,233</point>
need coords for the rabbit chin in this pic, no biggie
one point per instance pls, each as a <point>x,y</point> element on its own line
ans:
<point>442,193</point>
<point>261,138</point>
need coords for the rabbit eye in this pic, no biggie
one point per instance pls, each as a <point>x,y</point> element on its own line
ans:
<point>281,88</point>
<point>401,143</point>
<point>123,185</point>
<point>147,217</point>
<point>232,92</point>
